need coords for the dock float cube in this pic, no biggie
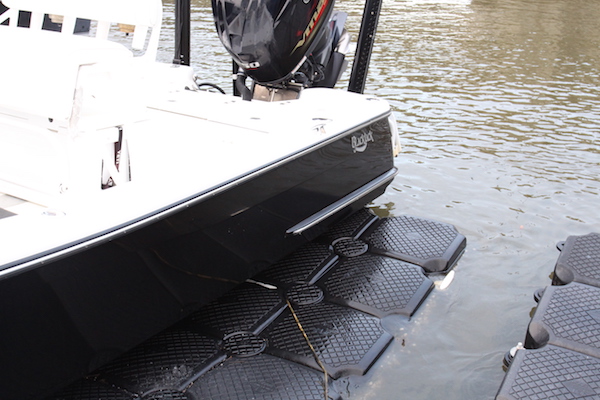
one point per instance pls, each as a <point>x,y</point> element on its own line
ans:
<point>561,354</point>
<point>294,330</point>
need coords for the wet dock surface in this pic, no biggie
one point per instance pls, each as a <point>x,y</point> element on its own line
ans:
<point>295,329</point>
<point>561,354</point>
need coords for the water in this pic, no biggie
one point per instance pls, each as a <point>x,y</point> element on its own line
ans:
<point>499,112</point>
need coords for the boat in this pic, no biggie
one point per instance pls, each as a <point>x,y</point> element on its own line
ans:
<point>129,197</point>
<point>24,19</point>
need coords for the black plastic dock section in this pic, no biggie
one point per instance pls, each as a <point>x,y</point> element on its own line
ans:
<point>561,354</point>
<point>254,342</point>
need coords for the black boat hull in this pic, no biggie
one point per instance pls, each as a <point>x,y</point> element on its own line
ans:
<point>82,306</point>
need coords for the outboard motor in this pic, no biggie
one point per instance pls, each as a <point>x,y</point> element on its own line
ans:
<point>283,45</point>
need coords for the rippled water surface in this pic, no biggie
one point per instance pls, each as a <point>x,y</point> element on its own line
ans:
<point>498,107</point>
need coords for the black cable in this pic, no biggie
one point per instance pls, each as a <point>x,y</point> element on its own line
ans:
<point>212,85</point>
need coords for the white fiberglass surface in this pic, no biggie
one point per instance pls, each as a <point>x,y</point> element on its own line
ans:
<point>189,144</point>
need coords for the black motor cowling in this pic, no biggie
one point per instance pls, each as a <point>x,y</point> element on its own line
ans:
<point>271,39</point>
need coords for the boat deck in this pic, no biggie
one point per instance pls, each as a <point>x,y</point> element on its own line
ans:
<point>273,337</point>
<point>561,354</point>
<point>188,145</point>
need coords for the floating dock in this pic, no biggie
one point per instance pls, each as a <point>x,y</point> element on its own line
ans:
<point>560,358</point>
<point>296,328</point>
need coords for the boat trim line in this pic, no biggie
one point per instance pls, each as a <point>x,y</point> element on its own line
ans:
<point>345,201</point>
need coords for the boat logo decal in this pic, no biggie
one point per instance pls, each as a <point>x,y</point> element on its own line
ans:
<point>359,144</point>
<point>321,5</point>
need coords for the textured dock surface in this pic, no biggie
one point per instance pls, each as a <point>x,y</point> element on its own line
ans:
<point>561,354</point>
<point>297,327</point>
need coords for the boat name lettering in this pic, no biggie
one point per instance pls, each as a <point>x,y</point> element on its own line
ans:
<point>359,144</point>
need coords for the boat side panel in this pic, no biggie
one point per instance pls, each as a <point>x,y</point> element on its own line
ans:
<point>77,312</point>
